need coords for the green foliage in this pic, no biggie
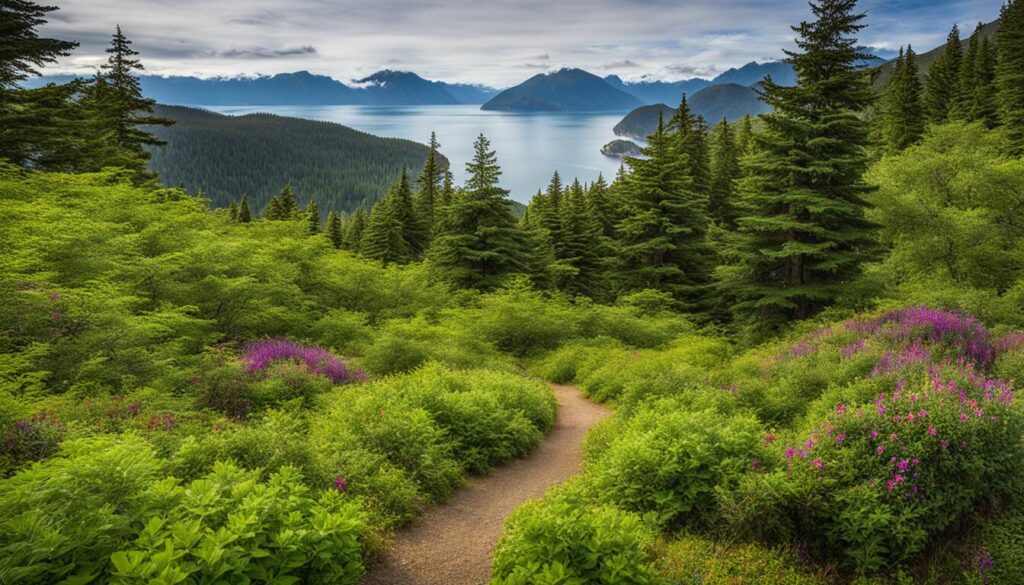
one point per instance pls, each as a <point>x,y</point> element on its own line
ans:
<point>943,79</point>
<point>559,541</point>
<point>404,345</point>
<point>1001,558</point>
<point>692,559</point>
<point>904,115</point>
<point>1009,73</point>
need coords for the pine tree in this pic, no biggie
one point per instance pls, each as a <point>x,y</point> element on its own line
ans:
<point>745,137</point>
<point>976,99</point>
<point>414,231</point>
<point>581,244</point>
<point>903,112</point>
<point>944,78</point>
<point>547,211</point>
<point>690,134</point>
<point>985,100</point>
<point>334,229</point>
<point>126,108</point>
<point>244,214</point>
<point>22,50</point>
<point>287,204</point>
<point>1010,73</point>
<point>482,244</point>
<point>608,212</point>
<point>803,236</point>
<point>312,217</point>
<point>353,230</point>
<point>273,212</point>
<point>662,236</point>
<point>725,171</point>
<point>384,238</point>
<point>233,211</point>
<point>428,187</point>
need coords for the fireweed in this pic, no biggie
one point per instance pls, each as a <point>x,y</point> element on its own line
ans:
<point>317,360</point>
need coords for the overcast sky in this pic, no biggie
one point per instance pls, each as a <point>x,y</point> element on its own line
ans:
<point>495,42</point>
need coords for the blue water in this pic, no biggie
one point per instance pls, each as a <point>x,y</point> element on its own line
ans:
<point>530,146</point>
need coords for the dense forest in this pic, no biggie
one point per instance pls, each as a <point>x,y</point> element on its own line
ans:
<point>226,157</point>
<point>807,326</point>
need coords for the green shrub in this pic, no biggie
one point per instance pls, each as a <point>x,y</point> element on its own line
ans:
<point>562,365</point>
<point>667,462</point>
<point>521,321</point>
<point>692,559</point>
<point>1000,561</point>
<point>347,332</point>
<point>561,539</point>
<point>403,346</point>
<point>102,511</point>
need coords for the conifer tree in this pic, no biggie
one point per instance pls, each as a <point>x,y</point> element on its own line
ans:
<point>690,134</point>
<point>943,79</point>
<point>547,210</point>
<point>287,204</point>
<point>428,187</point>
<point>384,237</point>
<point>312,217</point>
<point>272,212</point>
<point>803,236</point>
<point>976,100</point>
<point>725,171</point>
<point>22,50</point>
<point>581,244</point>
<point>233,211</point>
<point>607,211</point>
<point>244,213</point>
<point>662,236</point>
<point>334,229</point>
<point>985,100</point>
<point>353,231</point>
<point>745,137</point>
<point>1010,73</point>
<point>126,109</point>
<point>903,116</point>
<point>481,245</point>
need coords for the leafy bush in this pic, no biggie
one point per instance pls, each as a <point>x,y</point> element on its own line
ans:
<point>403,346</point>
<point>345,331</point>
<point>667,462</point>
<point>561,540</point>
<point>1000,560</point>
<point>562,365</point>
<point>521,321</point>
<point>692,559</point>
<point>102,510</point>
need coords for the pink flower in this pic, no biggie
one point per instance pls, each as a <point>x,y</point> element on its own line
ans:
<point>932,430</point>
<point>817,463</point>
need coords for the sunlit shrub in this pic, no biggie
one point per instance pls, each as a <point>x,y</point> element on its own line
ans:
<point>560,539</point>
<point>691,559</point>
<point>403,346</point>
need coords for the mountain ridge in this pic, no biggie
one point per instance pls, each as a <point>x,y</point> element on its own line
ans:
<point>567,89</point>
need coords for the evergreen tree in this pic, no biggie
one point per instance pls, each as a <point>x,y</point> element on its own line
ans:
<point>976,100</point>
<point>803,236</point>
<point>745,137</point>
<point>662,236</point>
<point>1010,73</point>
<point>233,211</point>
<point>353,230</point>
<point>944,78</point>
<point>287,204</point>
<point>725,171</point>
<point>334,229</point>
<point>581,244</point>
<point>429,186</point>
<point>123,106</point>
<point>690,134</point>
<point>607,211</point>
<point>312,217</point>
<point>244,214</point>
<point>985,100</point>
<point>547,211</point>
<point>482,244</point>
<point>903,115</point>
<point>273,212</point>
<point>22,50</point>
<point>384,238</point>
<point>414,231</point>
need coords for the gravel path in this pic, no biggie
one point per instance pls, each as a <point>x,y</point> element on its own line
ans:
<point>452,543</point>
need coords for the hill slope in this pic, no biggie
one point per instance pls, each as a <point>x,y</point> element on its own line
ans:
<point>566,90</point>
<point>658,92</point>
<point>924,60</point>
<point>258,154</point>
<point>728,100</point>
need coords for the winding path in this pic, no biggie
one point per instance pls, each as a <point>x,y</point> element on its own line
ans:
<point>452,543</point>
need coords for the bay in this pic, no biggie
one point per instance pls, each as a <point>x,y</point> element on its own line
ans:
<point>530,145</point>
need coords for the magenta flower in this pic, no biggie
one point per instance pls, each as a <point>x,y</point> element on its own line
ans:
<point>259,356</point>
<point>340,484</point>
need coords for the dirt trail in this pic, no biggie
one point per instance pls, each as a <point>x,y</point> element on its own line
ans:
<point>452,543</point>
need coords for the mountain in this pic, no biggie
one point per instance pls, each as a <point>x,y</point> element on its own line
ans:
<point>754,72</point>
<point>302,88</point>
<point>256,155</point>
<point>727,100</point>
<point>924,60</point>
<point>654,92</point>
<point>564,90</point>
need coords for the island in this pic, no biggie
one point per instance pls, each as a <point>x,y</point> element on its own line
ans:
<point>621,148</point>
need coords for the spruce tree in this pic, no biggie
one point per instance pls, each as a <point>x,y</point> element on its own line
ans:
<point>745,137</point>
<point>803,236</point>
<point>943,79</point>
<point>428,187</point>
<point>1010,73</point>
<point>233,211</point>
<point>903,116</point>
<point>272,212</point>
<point>601,198</point>
<point>287,204</point>
<point>481,245</point>
<point>662,236</point>
<point>127,109</point>
<point>21,48</point>
<point>353,230</point>
<point>334,230</point>
<point>244,214</point>
<point>690,134</point>
<point>581,244</point>
<point>312,217</point>
<point>976,99</point>
<point>985,100</point>
<point>384,237</point>
<point>725,171</point>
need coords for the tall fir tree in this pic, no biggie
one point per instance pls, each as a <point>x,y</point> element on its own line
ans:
<point>662,239</point>
<point>244,213</point>
<point>903,114</point>
<point>1009,78</point>
<point>581,244</point>
<point>975,99</point>
<point>353,230</point>
<point>384,236</point>
<point>482,245</point>
<point>312,217</point>
<point>804,236</point>
<point>233,211</point>
<point>125,108</point>
<point>725,171</point>
<point>745,136</point>
<point>603,200</point>
<point>690,134</point>
<point>22,50</point>
<point>943,79</point>
<point>282,207</point>
<point>428,187</point>
<point>334,229</point>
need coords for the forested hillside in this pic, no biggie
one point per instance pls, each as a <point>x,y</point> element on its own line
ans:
<point>227,157</point>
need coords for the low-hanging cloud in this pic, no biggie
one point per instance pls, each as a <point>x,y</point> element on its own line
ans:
<point>495,42</point>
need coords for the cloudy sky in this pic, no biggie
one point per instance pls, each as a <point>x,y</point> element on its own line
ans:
<point>496,42</point>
